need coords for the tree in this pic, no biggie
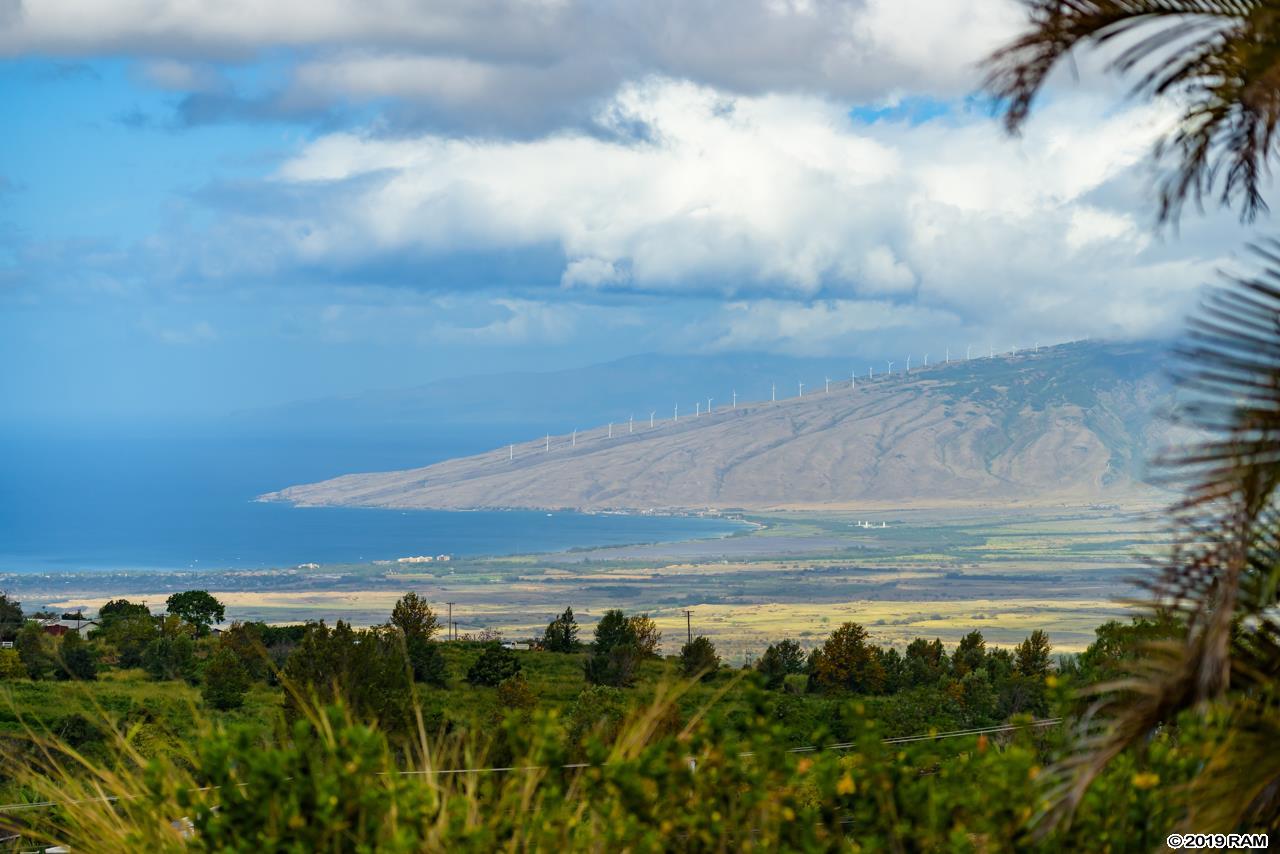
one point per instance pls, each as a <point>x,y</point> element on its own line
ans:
<point>495,664</point>
<point>35,649</point>
<point>846,662</point>
<point>226,681</point>
<point>970,654</point>
<point>78,661</point>
<point>894,667</point>
<point>364,670</point>
<point>120,609</point>
<point>926,662</point>
<point>11,618</point>
<point>561,634</point>
<point>426,661</point>
<point>698,658</point>
<point>646,635</point>
<point>129,635</point>
<point>170,657</point>
<point>615,654</point>
<point>413,616</point>
<point>245,642</point>
<point>614,629</point>
<point>1031,657</point>
<point>779,661</point>
<point>197,608</point>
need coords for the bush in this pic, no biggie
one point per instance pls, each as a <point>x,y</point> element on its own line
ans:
<point>78,661</point>
<point>495,664</point>
<point>11,666</point>
<point>617,668</point>
<point>515,695</point>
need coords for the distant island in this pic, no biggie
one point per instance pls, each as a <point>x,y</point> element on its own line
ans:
<point>1070,423</point>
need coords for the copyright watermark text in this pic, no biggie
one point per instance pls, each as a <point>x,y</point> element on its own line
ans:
<point>1235,841</point>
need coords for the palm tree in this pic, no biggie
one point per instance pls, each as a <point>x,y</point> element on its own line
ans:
<point>1220,61</point>
<point>1221,58</point>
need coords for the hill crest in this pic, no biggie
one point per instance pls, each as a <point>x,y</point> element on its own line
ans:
<point>1073,423</point>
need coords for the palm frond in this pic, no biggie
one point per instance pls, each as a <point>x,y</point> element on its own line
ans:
<point>1219,57</point>
<point>1223,573</point>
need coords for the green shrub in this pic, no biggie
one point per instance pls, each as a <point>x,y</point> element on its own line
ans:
<point>11,666</point>
<point>494,665</point>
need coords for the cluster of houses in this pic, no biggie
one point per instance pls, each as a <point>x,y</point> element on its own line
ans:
<point>424,559</point>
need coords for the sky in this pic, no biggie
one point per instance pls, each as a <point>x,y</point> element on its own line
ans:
<point>211,206</point>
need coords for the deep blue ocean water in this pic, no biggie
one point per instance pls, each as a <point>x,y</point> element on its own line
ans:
<point>180,503</point>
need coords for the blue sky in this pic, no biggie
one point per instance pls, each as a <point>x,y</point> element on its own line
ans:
<point>208,207</point>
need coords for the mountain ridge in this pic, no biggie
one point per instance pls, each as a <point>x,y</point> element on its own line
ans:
<point>1074,422</point>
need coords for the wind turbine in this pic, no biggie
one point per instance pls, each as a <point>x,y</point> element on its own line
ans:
<point>967,348</point>
<point>697,409</point>
<point>651,414</point>
<point>573,441</point>
<point>773,395</point>
<point>871,372</point>
<point>890,367</point>
<point>948,355</point>
<point>610,429</point>
<point>548,445</point>
<point>709,399</point>
<point>853,379</point>
<point>908,363</point>
<point>801,394</point>
<point>511,452</point>
<point>827,389</point>
<point>676,415</point>
<point>926,360</point>
<point>631,424</point>
<point>991,352</point>
<point>735,398</point>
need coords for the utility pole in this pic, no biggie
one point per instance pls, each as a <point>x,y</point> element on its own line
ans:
<point>688,623</point>
<point>451,631</point>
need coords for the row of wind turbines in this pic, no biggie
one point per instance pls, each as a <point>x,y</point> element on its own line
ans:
<point>699,412</point>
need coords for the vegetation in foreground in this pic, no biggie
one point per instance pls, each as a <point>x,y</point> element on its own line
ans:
<point>355,735</point>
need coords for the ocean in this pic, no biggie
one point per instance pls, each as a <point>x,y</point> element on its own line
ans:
<point>76,504</point>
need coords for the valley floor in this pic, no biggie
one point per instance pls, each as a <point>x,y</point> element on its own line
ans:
<point>934,573</point>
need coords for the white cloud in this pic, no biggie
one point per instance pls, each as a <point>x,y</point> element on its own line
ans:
<point>821,327</point>
<point>532,62</point>
<point>782,197</point>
